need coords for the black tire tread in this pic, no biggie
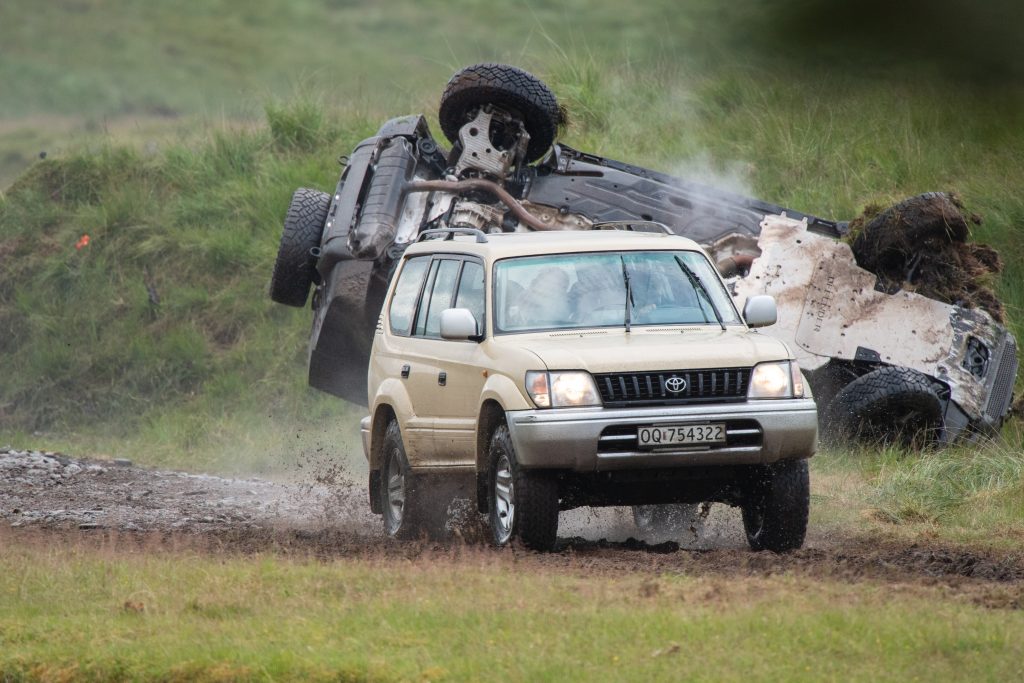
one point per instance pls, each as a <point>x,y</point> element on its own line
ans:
<point>416,517</point>
<point>881,394</point>
<point>503,85</point>
<point>536,517</point>
<point>783,493</point>
<point>295,264</point>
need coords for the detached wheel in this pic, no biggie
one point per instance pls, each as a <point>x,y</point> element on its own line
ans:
<point>523,504</point>
<point>403,500</point>
<point>507,87</point>
<point>295,264</point>
<point>888,405</point>
<point>669,521</point>
<point>776,504</point>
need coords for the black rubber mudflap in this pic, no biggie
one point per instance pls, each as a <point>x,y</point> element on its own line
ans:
<point>340,357</point>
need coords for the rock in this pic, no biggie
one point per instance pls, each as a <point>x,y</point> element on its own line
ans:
<point>72,469</point>
<point>122,462</point>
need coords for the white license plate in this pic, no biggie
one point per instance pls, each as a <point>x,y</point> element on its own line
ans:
<point>681,435</point>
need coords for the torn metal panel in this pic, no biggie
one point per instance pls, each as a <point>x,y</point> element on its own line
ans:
<point>829,308</point>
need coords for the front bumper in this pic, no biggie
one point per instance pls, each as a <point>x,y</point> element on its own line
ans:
<point>596,439</point>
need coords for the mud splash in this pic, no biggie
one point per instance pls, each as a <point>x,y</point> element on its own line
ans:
<point>47,497</point>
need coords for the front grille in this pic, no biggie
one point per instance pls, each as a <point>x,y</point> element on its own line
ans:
<point>713,385</point>
<point>738,434</point>
<point>1002,387</point>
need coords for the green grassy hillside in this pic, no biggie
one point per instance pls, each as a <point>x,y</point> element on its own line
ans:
<point>158,336</point>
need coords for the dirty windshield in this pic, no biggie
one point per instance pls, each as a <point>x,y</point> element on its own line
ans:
<point>566,291</point>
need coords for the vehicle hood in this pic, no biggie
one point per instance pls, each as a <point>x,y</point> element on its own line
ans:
<point>644,351</point>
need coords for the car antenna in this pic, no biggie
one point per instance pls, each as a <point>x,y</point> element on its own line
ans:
<point>696,283</point>
<point>629,293</point>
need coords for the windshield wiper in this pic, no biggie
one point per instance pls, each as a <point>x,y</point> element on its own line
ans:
<point>629,293</point>
<point>699,286</point>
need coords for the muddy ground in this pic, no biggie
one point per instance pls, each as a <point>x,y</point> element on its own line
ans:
<point>83,501</point>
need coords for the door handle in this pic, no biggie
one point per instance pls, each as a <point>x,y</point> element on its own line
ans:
<point>442,378</point>
<point>405,371</point>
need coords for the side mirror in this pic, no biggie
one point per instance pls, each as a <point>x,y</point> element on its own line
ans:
<point>760,311</point>
<point>458,324</point>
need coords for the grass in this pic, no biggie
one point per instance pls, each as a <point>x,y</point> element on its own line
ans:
<point>112,613</point>
<point>969,493</point>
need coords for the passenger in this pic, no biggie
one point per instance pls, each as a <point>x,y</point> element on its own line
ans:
<point>598,293</point>
<point>546,299</point>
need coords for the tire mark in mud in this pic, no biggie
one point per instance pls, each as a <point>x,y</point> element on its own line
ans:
<point>89,502</point>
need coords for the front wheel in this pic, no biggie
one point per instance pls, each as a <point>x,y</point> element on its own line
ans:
<point>523,504</point>
<point>776,504</point>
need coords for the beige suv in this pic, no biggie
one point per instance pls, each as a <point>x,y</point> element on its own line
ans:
<point>546,371</point>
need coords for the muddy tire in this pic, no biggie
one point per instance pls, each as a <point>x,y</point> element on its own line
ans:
<point>669,521</point>
<point>509,88</point>
<point>890,405</point>
<point>522,504</point>
<point>295,265</point>
<point>405,500</point>
<point>776,504</point>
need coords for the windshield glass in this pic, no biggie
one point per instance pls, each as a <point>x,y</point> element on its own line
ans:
<point>566,291</point>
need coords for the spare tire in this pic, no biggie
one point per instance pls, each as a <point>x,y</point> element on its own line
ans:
<point>508,87</point>
<point>295,264</point>
<point>890,405</point>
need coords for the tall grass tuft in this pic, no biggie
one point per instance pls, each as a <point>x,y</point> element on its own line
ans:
<point>952,485</point>
<point>300,125</point>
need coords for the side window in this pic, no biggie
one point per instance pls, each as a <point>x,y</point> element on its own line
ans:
<point>471,291</point>
<point>403,303</point>
<point>437,297</point>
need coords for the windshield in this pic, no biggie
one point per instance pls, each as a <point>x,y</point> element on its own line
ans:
<point>567,291</point>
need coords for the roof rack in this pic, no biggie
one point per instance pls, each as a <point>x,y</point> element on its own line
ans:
<point>634,226</point>
<point>450,233</point>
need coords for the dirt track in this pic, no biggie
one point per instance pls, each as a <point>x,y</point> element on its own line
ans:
<point>83,501</point>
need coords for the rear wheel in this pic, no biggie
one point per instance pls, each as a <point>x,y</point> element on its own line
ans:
<point>403,498</point>
<point>509,88</point>
<point>776,504</point>
<point>887,405</point>
<point>523,504</point>
<point>295,265</point>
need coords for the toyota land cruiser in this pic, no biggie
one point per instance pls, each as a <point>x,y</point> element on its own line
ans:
<point>551,370</point>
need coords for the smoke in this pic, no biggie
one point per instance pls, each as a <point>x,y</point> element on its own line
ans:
<point>731,176</point>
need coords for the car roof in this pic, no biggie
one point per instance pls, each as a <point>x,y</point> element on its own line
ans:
<point>506,244</point>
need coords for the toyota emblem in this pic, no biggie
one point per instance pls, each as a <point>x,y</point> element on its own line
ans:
<point>675,384</point>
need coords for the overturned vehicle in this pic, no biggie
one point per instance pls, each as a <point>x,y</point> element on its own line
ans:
<point>887,356</point>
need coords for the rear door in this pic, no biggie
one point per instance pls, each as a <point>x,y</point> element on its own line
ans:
<point>446,376</point>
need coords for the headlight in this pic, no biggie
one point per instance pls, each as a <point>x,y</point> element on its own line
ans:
<point>562,389</point>
<point>776,380</point>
